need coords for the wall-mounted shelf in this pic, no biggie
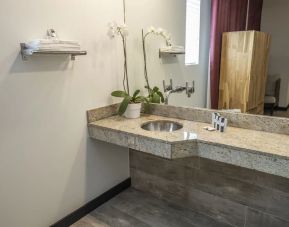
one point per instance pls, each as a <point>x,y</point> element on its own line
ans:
<point>164,52</point>
<point>71,53</point>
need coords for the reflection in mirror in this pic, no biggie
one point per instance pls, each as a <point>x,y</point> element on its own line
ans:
<point>170,15</point>
<point>275,22</point>
<point>245,41</point>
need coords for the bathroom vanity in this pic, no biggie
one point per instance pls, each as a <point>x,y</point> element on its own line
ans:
<point>240,176</point>
<point>263,151</point>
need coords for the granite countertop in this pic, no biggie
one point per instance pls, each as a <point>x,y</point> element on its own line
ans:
<point>251,140</point>
<point>263,151</point>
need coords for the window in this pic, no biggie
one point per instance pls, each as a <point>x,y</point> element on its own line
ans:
<point>193,9</point>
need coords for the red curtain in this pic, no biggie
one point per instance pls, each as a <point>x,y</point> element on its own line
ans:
<point>226,16</point>
<point>254,15</point>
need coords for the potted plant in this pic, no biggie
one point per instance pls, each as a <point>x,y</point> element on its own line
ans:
<point>155,95</point>
<point>130,106</point>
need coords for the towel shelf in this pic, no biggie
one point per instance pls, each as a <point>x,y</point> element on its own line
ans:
<point>71,53</point>
<point>165,53</point>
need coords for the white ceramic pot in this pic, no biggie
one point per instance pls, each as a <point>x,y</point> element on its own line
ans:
<point>133,110</point>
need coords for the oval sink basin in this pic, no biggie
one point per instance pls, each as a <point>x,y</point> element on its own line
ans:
<point>161,126</point>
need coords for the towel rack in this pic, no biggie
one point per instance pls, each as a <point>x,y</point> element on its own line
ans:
<point>164,53</point>
<point>71,53</point>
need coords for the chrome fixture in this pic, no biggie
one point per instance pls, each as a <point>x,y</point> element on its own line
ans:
<point>168,89</point>
<point>51,34</point>
<point>190,89</point>
<point>162,126</point>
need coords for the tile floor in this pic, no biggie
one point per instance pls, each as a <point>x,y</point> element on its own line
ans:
<point>133,208</point>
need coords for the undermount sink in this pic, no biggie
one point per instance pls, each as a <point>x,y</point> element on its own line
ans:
<point>161,126</point>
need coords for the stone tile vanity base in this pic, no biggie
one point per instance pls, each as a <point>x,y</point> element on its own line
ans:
<point>231,194</point>
<point>240,177</point>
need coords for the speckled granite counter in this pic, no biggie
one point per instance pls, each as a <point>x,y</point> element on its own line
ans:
<point>128,132</point>
<point>262,151</point>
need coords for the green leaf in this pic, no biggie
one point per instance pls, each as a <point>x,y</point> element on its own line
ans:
<point>135,94</point>
<point>161,96</point>
<point>123,106</point>
<point>156,89</point>
<point>138,99</point>
<point>119,94</point>
<point>156,98</point>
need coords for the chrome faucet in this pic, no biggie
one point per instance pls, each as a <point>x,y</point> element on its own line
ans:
<point>168,89</point>
<point>190,89</point>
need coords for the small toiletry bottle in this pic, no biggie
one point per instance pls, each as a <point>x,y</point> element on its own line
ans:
<point>218,122</point>
<point>215,119</point>
<point>223,124</point>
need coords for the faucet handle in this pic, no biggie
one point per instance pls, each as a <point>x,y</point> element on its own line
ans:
<point>193,86</point>
<point>168,87</point>
<point>164,86</point>
<point>190,90</point>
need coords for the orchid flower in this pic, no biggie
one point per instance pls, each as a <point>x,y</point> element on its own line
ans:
<point>158,32</point>
<point>115,29</point>
<point>161,32</point>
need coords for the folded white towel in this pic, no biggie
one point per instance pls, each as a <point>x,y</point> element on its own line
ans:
<point>173,49</point>
<point>52,41</point>
<point>55,49</point>
<point>51,44</point>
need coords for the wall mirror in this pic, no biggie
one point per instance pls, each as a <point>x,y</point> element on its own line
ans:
<point>236,52</point>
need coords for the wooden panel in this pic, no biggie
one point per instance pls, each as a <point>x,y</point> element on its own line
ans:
<point>196,188</point>
<point>259,109</point>
<point>243,71</point>
<point>256,218</point>
<point>221,209</point>
<point>237,49</point>
<point>266,200</point>
<point>259,71</point>
<point>264,180</point>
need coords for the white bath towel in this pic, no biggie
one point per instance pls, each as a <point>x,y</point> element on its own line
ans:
<point>52,45</point>
<point>173,49</point>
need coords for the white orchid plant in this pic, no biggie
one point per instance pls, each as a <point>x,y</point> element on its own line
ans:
<point>159,32</point>
<point>155,95</point>
<point>114,30</point>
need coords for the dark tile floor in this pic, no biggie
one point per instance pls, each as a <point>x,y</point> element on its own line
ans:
<point>137,209</point>
<point>278,113</point>
<point>281,113</point>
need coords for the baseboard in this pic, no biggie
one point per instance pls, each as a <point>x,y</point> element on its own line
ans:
<point>282,108</point>
<point>92,205</point>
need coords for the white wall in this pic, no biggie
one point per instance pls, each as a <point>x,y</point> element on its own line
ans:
<point>275,19</point>
<point>48,165</point>
<point>170,15</point>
